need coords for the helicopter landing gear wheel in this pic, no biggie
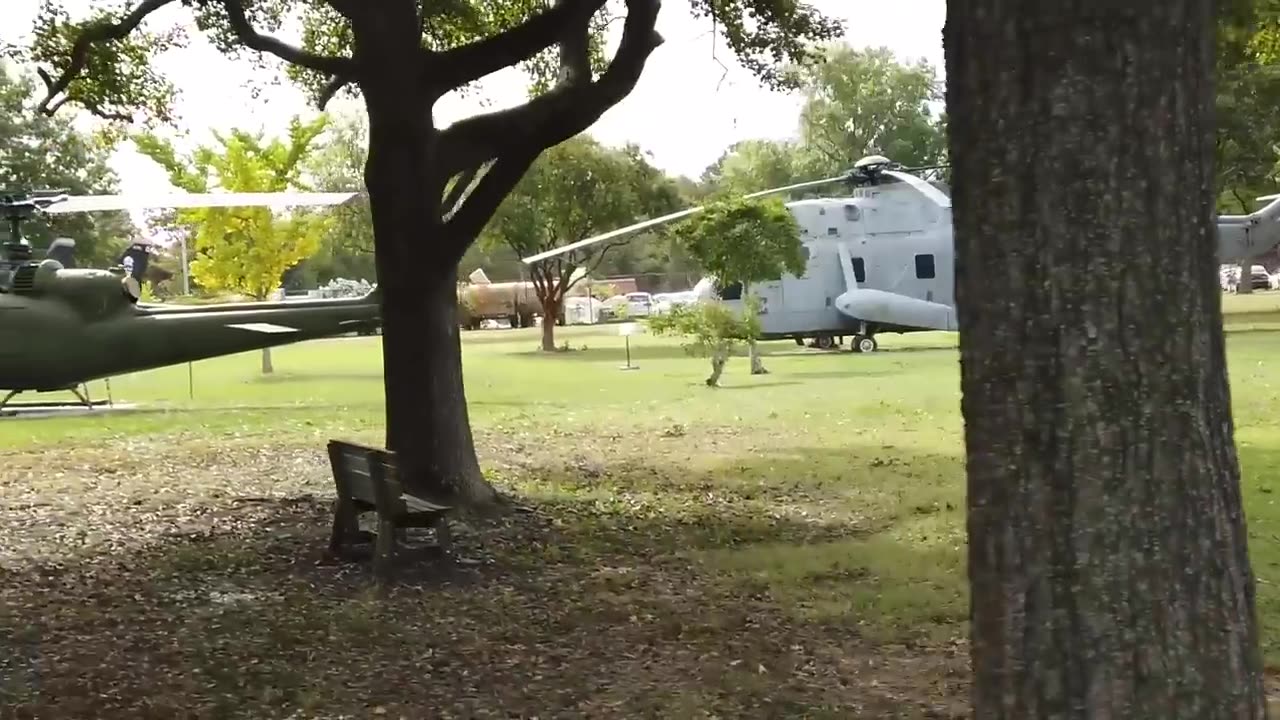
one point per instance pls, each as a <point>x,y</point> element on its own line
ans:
<point>800,341</point>
<point>864,344</point>
<point>824,342</point>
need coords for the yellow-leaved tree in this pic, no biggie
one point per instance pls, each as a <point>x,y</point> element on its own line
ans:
<point>243,250</point>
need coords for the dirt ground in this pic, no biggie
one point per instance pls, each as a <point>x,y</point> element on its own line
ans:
<point>187,579</point>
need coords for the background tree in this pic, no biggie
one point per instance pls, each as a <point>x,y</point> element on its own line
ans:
<point>574,190</point>
<point>741,242</point>
<point>753,165</point>
<point>243,250</point>
<point>1108,564</point>
<point>865,102</point>
<point>336,164</point>
<point>1247,140</point>
<point>42,152</point>
<point>431,189</point>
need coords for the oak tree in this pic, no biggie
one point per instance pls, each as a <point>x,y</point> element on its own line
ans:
<point>431,189</point>
<point>740,242</point>
<point>1108,558</point>
<point>574,190</point>
<point>243,250</point>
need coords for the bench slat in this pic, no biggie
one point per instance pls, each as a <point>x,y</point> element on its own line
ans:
<point>354,461</point>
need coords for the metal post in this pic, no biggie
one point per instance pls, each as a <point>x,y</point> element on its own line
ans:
<point>186,290</point>
<point>186,283</point>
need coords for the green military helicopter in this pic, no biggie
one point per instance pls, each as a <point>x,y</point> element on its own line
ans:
<point>62,326</point>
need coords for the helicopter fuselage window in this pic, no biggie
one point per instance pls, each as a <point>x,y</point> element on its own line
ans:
<point>852,213</point>
<point>833,231</point>
<point>859,270</point>
<point>732,291</point>
<point>924,267</point>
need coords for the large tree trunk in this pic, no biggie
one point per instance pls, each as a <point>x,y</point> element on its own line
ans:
<point>1108,564</point>
<point>427,420</point>
<point>550,313</point>
<point>426,410</point>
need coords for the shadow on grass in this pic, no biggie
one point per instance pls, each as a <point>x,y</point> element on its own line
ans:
<point>745,588</point>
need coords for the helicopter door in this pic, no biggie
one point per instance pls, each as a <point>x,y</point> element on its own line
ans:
<point>806,294</point>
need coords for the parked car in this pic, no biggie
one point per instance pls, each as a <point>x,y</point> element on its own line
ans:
<point>639,304</point>
<point>1259,278</point>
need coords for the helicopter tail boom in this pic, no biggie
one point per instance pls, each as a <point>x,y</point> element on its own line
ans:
<point>1243,237</point>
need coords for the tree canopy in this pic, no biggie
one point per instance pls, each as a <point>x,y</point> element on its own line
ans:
<point>744,241</point>
<point>103,62</point>
<point>243,250</point>
<point>42,152</point>
<point>856,103</point>
<point>576,189</point>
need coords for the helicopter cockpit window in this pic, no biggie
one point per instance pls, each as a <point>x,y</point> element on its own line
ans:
<point>852,213</point>
<point>924,267</point>
<point>732,291</point>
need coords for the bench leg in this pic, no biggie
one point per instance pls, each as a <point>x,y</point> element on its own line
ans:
<point>345,526</point>
<point>443,538</point>
<point>385,551</point>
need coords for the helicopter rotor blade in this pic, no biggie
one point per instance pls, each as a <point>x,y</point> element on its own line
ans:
<point>98,203</point>
<point>666,218</point>
<point>612,234</point>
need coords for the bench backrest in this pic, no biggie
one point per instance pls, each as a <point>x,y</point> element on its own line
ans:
<point>367,474</point>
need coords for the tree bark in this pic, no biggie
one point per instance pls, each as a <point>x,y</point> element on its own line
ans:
<point>757,363</point>
<point>719,357</point>
<point>550,313</point>
<point>427,420</point>
<point>267,367</point>
<point>428,425</point>
<point>1109,571</point>
<point>1246,276</point>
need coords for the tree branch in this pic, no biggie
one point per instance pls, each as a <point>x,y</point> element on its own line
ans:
<point>571,107</point>
<point>599,258</point>
<point>331,88</point>
<point>254,40</point>
<point>468,63</point>
<point>469,219</point>
<point>101,32</point>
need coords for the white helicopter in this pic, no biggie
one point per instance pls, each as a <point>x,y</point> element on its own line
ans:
<point>882,258</point>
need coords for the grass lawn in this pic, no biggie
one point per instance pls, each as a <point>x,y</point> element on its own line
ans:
<point>789,545</point>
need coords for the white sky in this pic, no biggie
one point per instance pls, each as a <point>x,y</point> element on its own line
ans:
<point>681,111</point>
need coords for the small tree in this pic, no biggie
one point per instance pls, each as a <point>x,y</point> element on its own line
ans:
<point>243,250</point>
<point>576,189</point>
<point>712,330</point>
<point>741,242</point>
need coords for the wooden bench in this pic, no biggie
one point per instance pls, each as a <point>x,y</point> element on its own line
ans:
<point>367,479</point>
